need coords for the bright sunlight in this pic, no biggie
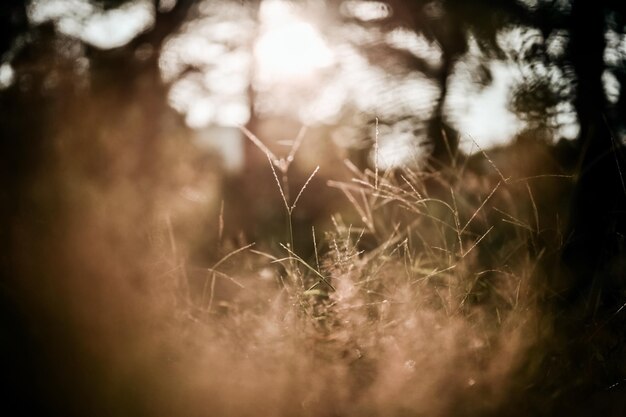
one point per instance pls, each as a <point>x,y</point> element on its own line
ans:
<point>288,48</point>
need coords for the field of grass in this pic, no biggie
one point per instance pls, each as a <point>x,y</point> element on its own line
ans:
<point>436,293</point>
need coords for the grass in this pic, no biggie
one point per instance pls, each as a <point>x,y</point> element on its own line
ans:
<point>429,305</point>
<point>435,293</point>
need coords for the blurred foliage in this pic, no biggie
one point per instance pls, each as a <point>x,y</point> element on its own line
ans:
<point>564,51</point>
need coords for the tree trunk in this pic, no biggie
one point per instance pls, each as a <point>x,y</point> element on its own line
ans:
<point>598,207</point>
<point>445,139</point>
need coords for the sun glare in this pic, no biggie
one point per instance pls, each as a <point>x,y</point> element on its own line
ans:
<point>288,47</point>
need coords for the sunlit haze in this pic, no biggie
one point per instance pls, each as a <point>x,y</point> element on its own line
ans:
<point>98,27</point>
<point>298,72</point>
<point>288,48</point>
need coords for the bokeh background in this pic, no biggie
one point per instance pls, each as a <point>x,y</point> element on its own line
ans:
<point>143,142</point>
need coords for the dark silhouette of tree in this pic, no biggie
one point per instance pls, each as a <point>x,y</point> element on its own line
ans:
<point>596,223</point>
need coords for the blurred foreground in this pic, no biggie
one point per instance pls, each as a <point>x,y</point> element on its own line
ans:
<point>444,300</point>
